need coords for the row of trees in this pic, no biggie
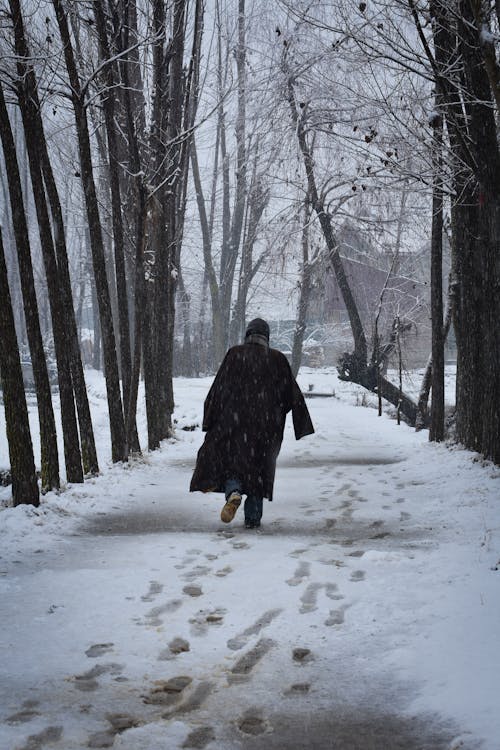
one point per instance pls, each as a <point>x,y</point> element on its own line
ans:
<point>235,136</point>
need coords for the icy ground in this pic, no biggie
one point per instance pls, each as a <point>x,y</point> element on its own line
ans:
<point>363,615</point>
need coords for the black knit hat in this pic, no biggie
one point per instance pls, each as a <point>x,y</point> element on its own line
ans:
<point>258,326</point>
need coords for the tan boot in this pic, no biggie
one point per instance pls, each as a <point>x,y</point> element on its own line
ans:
<point>228,512</point>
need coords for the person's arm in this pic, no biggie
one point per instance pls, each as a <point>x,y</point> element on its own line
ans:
<point>302,423</point>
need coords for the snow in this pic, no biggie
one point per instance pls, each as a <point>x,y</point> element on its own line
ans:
<point>363,614</point>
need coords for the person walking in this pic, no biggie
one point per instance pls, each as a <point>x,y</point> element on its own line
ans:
<point>244,418</point>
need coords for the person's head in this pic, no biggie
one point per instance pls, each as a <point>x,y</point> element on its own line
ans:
<point>257,331</point>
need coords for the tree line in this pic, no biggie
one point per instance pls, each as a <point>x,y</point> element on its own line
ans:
<point>205,141</point>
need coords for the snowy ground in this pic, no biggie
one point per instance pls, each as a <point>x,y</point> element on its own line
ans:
<point>364,614</point>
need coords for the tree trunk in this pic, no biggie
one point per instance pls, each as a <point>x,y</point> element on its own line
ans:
<point>166,253</point>
<point>117,424</point>
<point>218,334</point>
<point>304,295</point>
<point>48,437</point>
<point>22,464</point>
<point>360,346</point>
<point>230,250</point>
<point>436,432</point>
<point>258,199</point>
<point>425,387</point>
<point>28,97</point>
<point>484,144</point>
<point>139,235</point>
<point>111,80</point>
<point>352,367</point>
<point>468,318</point>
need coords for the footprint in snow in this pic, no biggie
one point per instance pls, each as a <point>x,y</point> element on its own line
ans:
<point>175,647</point>
<point>358,575</point>
<point>192,702</point>
<point>223,572</point>
<point>206,618</point>
<point>248,661</point>
<point>298,688</point>
<point>119,723</point>
<point>22,717</point>
<point>302,655</point>
<point>297,552</point>
<point>241,640</point>
<point>166,692</point>
<point>199,570</point>
<point>194,591</point>
<point>310,596</point>
<point>253,724</point>
<point>155,588</point>
<point>98,649</point>
<point>303,571</point>
<point>199,738</point>
<point>240,545</point>
<point>152,618</point>
<point>336,617</point>
<point>87,681</point>
<point>342,490</point>
<point>37,741</point>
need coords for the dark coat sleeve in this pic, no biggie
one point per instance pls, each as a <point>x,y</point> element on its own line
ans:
<point>302,423</point>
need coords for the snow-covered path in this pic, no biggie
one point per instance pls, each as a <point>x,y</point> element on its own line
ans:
<point>364,614</point>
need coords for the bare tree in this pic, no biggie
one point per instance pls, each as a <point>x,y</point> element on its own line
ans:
<point>22,464</point>
<point>353,367</point>
<point>48,438</point>
<point>117,425</point>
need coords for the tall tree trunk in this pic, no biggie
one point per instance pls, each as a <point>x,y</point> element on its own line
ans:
<point>484,143</point>
<point>360,346</point>
<point>27,97</point>
<point>304,294</point>
<point>211,276</point>
<point>166,252</point>
<point>231,245</point>
<point>117,424</point>
<point>436,431</point>
<point>22,464</point>
<point>108,96</point>
<point>468,318</point>
<point>258,198</point>
<point>139,231</point>
<point>48,437</point>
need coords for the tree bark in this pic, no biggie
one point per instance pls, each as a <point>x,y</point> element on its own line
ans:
<point>304,295</point>
<point>484,144</point>
<point>111,78</point>
<point>117,425</point>
<point>436,432</point>
<point>27,97</point>
<point>231,245</point>
<point>22,464</point>
<point>138,200</point>
<point>48,437</point>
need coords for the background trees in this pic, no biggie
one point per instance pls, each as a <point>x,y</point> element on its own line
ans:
<point>170,169</point>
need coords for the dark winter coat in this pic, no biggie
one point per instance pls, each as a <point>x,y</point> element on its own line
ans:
<point>244,418</point>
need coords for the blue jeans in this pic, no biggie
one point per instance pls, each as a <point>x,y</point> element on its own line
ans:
<point>253,503</point>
